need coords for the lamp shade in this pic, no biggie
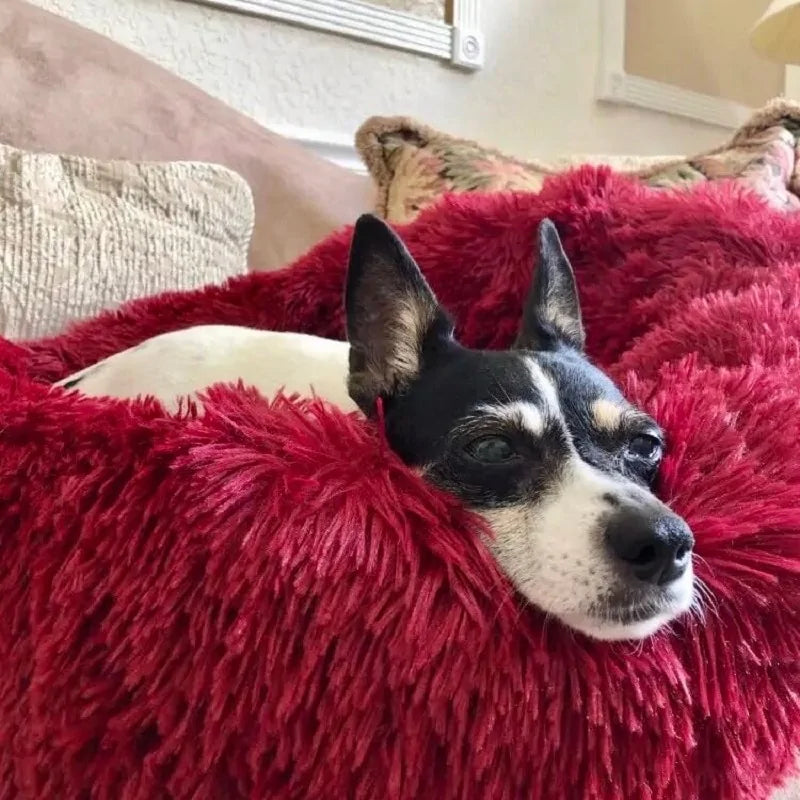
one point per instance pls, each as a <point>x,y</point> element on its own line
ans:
<point>777,34</point>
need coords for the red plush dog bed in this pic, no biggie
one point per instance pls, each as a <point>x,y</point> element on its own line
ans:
<point>262,602</point>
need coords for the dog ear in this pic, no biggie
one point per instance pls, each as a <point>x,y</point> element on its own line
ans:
<point>392,315</point>
<point>552,313</point>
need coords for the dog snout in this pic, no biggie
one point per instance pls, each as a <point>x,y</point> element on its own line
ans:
<point>654,546</point>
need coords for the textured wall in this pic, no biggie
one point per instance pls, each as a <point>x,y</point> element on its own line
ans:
<point>534,97</point>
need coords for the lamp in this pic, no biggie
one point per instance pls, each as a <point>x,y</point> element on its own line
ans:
<point>777,34</point>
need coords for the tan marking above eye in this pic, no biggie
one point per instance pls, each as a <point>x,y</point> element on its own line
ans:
<point>606,415</point>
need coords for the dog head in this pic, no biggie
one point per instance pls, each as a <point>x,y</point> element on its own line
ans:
<point>536,439</point>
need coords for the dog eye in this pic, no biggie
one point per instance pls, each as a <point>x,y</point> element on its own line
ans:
<point>491,449</point>
<point>645,447</point>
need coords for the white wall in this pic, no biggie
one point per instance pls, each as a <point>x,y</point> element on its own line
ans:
<point>535,96</point>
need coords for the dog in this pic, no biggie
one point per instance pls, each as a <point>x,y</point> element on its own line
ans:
<point>536,439</point>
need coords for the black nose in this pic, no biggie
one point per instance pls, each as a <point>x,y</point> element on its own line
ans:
<point>655,547</point>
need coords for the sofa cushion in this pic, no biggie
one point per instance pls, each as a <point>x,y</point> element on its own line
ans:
<point>69,90</point>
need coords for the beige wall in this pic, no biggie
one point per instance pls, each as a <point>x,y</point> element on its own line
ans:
<point>700,45</point>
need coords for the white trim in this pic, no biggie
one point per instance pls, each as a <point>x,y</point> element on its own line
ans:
<point>632,90</point>
<point>461,43</point>
<point>335,147</point>
<point>614,85</point>
<point>469,45</point>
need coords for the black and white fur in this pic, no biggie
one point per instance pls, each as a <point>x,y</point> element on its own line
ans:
<point>535,439</point>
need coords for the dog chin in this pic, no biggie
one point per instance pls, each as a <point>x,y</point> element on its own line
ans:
<point>608,630</point>
<point>625,625</point>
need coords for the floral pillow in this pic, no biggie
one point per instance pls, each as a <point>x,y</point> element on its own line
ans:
<point>413,164</point>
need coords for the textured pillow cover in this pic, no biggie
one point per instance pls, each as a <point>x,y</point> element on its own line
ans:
<point>413,165</point>
<point>263,602</point>
<point>78,235</point>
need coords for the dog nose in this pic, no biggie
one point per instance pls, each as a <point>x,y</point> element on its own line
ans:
<point>656,548</point>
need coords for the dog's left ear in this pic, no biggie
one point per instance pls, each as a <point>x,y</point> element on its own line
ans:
<point>552,313</point>
<point>393,317</point>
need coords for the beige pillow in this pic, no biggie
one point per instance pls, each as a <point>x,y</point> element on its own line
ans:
<point>413,164</point>
<point>78,236</point>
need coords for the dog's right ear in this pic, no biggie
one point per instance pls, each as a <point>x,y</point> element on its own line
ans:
<point>392,315</point>
<point>552,314</point>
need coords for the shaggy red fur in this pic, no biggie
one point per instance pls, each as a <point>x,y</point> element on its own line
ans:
<point>262,602</point>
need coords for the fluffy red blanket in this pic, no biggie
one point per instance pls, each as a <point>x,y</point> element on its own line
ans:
<point>262,602</point>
